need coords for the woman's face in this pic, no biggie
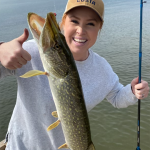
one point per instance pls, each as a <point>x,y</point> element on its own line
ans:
<point>81,28</point>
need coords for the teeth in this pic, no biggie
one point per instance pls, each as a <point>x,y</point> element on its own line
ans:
<point>80,41</point>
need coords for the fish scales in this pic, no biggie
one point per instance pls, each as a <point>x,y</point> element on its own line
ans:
<point>64,81</point>
<point>71,111</point>
<point>69,101</point>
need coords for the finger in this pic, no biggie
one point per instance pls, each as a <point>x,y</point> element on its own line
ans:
<point>135,80</point>
<point>140,85</point>
<point>26,55</point>
<point>133,83</point>
<point>21,39</point>
<point>11,67</point>
<point>17,65</point>
<point>22,61</point>
<point>141,96</point>
<point>140,92</point>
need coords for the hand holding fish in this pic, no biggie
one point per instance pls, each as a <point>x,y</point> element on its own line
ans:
<point>140,90</point>
<point>12,55</point>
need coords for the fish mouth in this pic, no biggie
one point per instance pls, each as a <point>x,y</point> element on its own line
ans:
<point>36,24</point>
<point>45,31</point>
<point>52,27</point>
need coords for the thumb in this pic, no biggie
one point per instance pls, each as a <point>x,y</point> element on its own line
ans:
<point>135,81</point>
<point>21,39</point>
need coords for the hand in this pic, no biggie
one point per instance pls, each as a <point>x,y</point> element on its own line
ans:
<point>140,90</point>
<point>12,55</point>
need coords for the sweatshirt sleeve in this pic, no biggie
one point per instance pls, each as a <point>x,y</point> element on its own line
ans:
<point>5,72</point>
<point>121,96</point>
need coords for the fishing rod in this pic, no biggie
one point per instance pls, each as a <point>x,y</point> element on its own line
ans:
<point>140,62</point>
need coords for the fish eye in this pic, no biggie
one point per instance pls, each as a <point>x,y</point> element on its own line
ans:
<point>57,46</point>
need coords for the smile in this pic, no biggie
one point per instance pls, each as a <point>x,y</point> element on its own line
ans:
<point>79,40</point>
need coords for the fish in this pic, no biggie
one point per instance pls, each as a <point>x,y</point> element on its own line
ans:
<point>64,81</point>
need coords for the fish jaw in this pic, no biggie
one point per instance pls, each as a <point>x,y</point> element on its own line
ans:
<point>41,29</point>
<point>36,24</point>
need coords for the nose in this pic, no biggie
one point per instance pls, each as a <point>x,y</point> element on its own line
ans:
<point>80,30</point>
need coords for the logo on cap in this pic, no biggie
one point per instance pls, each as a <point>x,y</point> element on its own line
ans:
<point>90,1</point>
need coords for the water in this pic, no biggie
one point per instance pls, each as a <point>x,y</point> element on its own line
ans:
<point>118,42</point>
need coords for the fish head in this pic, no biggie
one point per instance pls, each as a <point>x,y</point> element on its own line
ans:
<point>55,53</point>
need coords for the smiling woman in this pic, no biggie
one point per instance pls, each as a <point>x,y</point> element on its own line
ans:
<point>81,30</point>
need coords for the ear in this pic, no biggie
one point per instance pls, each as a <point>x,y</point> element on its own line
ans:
<point>101,25</point>
<point>36,24</point>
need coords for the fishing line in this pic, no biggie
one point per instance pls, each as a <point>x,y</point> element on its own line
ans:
<point>54,6</point>
<point>140,62</point>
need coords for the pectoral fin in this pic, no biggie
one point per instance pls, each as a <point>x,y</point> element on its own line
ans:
<point>64,146</point>
<point>54,125</point>
<point>54,114</point>
<point>33,73</point>
<point>91,147</point>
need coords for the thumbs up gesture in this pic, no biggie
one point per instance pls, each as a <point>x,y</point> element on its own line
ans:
<point>12,55</point>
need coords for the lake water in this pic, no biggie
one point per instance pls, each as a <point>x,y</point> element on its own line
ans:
<point>118,42</point>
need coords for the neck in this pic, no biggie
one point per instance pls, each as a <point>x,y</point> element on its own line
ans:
<point>80,57</point>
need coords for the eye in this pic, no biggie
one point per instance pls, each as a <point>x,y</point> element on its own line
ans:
<point>74,21</point>
<point>57,46</point>
<point>91,24</point>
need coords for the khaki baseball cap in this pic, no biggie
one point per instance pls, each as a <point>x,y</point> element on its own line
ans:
<point>96,5</point>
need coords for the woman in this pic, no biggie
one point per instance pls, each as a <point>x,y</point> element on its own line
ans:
<point>81,22</point>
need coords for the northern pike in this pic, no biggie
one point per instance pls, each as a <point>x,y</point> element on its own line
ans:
<point>64,80</point>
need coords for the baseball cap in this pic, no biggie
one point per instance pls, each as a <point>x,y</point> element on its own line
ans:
<point>96,5</point>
